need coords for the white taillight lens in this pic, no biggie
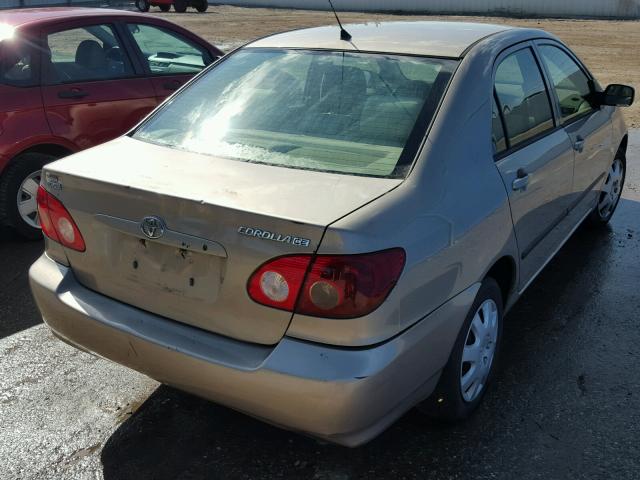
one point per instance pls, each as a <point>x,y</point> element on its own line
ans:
<point>65,230</point>
<point>274,286</point>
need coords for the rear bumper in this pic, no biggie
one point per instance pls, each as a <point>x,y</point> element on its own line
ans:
<point>347,396</point>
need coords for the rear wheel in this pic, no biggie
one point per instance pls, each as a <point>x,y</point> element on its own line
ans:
<point>164,8</point>
<point>180,6</point>
<point>18,190</point>
<point>609,193</point>
<point>201,5</point>
<point>472,362</point>
<point>143,5</point>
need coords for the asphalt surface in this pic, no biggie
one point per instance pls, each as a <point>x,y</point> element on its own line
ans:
<point>565,403</point>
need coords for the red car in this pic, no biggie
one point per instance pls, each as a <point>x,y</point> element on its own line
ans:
<point>72,78</point>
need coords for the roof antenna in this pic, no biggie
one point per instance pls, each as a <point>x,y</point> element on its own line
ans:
<point>344,35</point>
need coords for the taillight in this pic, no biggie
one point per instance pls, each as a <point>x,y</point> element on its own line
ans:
<point>332,286</point>
<point>56,222</point>
<point>346,286</point>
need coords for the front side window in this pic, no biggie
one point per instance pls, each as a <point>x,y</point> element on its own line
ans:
<point>522,97</point>
<point>84,54</point>
<point>16,64</point>
<point>168,53</point>
<point>350,113</point>
<point>571,84</point>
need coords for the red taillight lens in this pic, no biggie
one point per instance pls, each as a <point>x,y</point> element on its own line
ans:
<point>336,286</point>
<point>43,214</point>
<point>277,282</point>
<point>56,222</point>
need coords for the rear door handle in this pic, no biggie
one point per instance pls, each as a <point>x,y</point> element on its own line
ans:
<point>578,145</point>
<point>521,181</point>
<point>67,94</point>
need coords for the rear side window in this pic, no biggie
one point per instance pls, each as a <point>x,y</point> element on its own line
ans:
<point>16,64</point>
<point>522,98</point>
<point>571,84</point>
<point>168,53</point>
<point>85,54</point>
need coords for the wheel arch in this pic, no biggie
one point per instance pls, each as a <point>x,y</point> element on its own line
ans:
<point>622,148</point>
<point>16,170</point>
<point>503,271</point>
<point>54,149</point>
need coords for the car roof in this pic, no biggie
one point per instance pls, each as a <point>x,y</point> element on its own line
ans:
<point>30,16</point>
<point>439,39</point>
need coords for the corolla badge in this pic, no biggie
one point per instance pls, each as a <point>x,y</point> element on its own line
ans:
<point>273,236</point>
<point>152,226</point>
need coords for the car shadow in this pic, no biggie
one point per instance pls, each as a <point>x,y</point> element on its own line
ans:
<point>174,434</point>
<point>17,308</point>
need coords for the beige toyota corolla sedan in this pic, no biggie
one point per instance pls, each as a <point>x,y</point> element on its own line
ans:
<point>324,233</point>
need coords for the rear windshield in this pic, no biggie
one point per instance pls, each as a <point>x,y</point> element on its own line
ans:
<point>351,113</point>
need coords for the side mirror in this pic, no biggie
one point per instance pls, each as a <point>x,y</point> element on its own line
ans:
<point>617,95</point>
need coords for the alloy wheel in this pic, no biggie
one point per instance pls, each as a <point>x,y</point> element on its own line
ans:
<point>27,199</point>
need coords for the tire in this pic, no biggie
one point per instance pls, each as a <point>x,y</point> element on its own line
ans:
<point>202,5</point>
<point>180,6</point>
<point>164,8</point>
<point>143,5</point>
<point>27,165</point>
<point>449,401</point>
<point>610,193</point>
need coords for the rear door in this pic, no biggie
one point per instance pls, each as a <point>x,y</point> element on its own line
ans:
<point>91,91</point>
<point>22,117</point>
<point>588,127</point>
<point>533,155</point>
<point>169,58</point>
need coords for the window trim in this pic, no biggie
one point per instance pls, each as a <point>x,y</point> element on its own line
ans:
<point>144,61</point>
<point>46,82</point>
<point>528,44</point>
<point>583,69</point>
<point>505,153</point>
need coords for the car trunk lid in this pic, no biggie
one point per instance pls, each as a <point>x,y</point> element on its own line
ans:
<point>221,219</point>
